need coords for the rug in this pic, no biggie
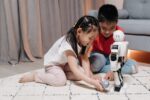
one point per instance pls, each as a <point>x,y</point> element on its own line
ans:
<point>136,87</point>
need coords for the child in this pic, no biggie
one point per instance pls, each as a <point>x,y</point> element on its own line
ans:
<point>99,58</point>
<point>62,60</point>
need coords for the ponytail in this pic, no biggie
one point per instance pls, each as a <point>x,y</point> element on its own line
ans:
<point>71,38</point>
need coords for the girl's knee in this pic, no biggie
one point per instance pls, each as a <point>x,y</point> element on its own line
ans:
<point>53,78</point>
<point>61,82</point>
<point>58,81</point>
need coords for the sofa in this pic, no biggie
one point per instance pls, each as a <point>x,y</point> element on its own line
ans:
<point>134,18</point>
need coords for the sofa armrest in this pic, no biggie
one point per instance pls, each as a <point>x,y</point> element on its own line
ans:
<point>123,14</point>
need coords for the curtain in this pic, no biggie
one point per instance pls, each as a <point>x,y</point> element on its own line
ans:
<point>92,5</point>
<point>28,28</point>
<point>9,31</point>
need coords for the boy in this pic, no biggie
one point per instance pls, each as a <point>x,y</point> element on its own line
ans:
<point>99,58</point>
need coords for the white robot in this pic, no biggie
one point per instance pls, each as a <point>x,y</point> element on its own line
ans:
<point>118,57</point>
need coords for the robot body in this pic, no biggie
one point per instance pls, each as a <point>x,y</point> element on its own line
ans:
<point>118,57</point>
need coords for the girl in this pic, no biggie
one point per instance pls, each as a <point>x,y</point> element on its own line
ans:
<point>67,58</point>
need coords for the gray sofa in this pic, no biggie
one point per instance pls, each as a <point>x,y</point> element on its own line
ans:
<point>134,18</point>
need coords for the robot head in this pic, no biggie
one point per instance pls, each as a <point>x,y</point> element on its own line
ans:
<point>118,36</point>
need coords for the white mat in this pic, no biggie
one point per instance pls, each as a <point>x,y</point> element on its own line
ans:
<point>137,87</point>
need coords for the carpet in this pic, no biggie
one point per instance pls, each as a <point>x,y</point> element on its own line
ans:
<point>136,87</point>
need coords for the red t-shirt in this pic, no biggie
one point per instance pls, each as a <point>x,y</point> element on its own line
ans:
<point>102,44</point>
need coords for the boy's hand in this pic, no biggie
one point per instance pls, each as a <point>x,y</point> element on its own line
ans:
<point>109,76</point>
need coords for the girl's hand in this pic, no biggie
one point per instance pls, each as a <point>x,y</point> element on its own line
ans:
<point>109,76</point>
<point>98,85</point>
<point>96,77</point>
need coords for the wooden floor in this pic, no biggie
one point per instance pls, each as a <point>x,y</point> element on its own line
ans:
<point>139,56</point>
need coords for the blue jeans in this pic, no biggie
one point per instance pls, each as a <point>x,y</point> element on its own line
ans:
<point>101,64</point>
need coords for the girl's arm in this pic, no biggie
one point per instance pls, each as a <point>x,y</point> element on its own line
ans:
<point>86,65</point>
<point>72,61</point>
<point>85,61</point>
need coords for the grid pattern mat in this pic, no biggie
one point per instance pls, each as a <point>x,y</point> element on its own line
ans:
<point>136,87</point>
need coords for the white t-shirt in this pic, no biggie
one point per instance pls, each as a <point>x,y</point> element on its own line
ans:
<point>56,55</point>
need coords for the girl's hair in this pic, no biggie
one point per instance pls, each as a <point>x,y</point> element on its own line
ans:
<point>86,23</point>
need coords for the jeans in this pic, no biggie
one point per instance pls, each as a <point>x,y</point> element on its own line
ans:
<point>101,64</point>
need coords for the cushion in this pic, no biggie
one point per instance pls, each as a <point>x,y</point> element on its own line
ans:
<point>123,14</point>
<point>138,9</point>
<point>135,26</point>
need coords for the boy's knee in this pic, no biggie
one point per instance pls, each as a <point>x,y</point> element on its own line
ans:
<point>131,62</point>
<point>130,67</point>
<point>97,61</point>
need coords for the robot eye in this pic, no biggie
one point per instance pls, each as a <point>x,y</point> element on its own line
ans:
<point>113,57</point>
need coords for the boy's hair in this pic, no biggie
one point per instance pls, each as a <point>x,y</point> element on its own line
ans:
<point>86,23</point>
<point>108,12</point>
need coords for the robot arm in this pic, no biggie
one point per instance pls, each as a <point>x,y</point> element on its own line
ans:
<point>117,57</point>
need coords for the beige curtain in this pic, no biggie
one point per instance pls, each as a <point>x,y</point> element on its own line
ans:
<point>28,28</point>
<point>9,31</point>
<point>92,5</point>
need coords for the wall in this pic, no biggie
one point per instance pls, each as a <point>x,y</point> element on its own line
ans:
<point>117,3</point>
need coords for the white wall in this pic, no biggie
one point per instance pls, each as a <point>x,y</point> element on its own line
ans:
<point>117,3</point>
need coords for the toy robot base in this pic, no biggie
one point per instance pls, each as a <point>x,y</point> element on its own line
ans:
<point>118,88</point>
